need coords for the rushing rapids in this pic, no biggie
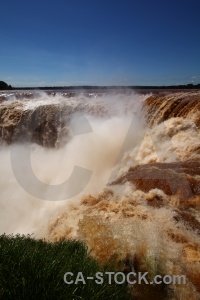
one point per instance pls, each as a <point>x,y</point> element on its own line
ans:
<point>45,117</point>
<point>142,205</point>
<point>159,108</point>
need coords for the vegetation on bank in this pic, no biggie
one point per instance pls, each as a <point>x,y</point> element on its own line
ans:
<point>5,86</point>
<point>34,269</point>
<point>118,87</point>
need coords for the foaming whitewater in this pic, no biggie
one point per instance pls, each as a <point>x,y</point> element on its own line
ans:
<point>96,149</point>
<point>141,204</point>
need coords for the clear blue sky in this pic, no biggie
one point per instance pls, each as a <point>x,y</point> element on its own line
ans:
<point>82,42</point>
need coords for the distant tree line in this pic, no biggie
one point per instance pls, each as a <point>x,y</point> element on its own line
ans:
<point>93,87</point>
<point>5,86</point>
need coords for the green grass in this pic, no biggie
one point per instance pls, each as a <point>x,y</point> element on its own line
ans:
<point>34,269</point>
